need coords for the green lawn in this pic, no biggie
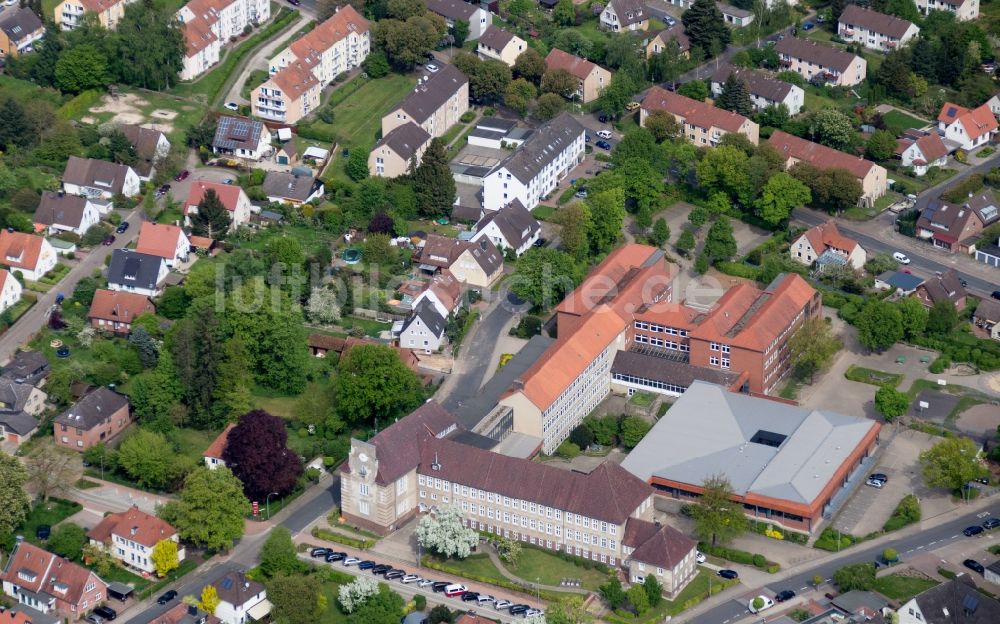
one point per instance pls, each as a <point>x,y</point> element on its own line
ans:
<point>542,212</point>
<point>357,119</point>
<point>50,513</point>
<point>192,442</point>
<point>28,90</point>
<point>256,78</point>
<point>549,569</point>
<point>872,376</point>
<point>902,588</point>
<point>695,592</point>
<point>478,567</point>
<point>902,120</point>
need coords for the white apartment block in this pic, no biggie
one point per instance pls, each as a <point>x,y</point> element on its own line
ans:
<point>338,45</point>
<point>537,166</point>
<point>228,18</point>
<point>964,10</point>
<point>875,30</point>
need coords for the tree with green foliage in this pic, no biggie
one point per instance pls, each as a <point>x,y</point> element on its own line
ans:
<point>460,31</point>
<point>529,65</point>
<point>607,215</point>
<point>544,276</point>
<point>440,615</point>
<point>942,318</point>
<point>668,65</point>
<point>830,127</point>
<point>297,599</point>
<point>81,68</point>
<point>951,463</point>
<point>662,125</point>
<point>148,457</point>
<point>357,163</point>
<point>576,227</point>
<point>14,501</point>
<point>735,96</point>
<point>774,115</point>
<point>653,589</point>
<point>633,430</point>
<point>385,607</point>
<point>880,325</point>
<point>373,383</point>
<point>661,232</point>
<point>209,511</point>
<point>605,429</point>
<point>860,576</point>
<point>613,593</point>
<point>154,392</point>
<point>695,89</point>
<point>150,46</point>
<point>231,395</point>
<point>212,218</point>
<point>685,242</point>
<point>520,93</point>
<point>405,41</point>
<point>172,304</point>
<point>725,169</point>
<point>433,182</point>
<point>716,517</point>
<point>564,14</point>
<point>719,243</point>
<point>811,347</point>
<point>446,534</point>
<point>705,28</point>
<point>560,82</point>
<point>616,96</point>
<point>914,316</point>
<point>548,106</point>
<point>15,128</point>
<point>881,145</point>
<point>891,403</point>
<point>638,599</point>
<point>67,541</point>
<point>278,555</point>
<point>781,194</point>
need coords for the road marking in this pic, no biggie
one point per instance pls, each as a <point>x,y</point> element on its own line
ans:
<point>920,547</point>
<point>804,588</point>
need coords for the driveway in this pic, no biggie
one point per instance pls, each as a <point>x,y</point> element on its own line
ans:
<point>472,367</point>
<point>260,59</point>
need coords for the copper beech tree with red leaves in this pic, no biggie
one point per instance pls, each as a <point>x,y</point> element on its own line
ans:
<point>257,452</point>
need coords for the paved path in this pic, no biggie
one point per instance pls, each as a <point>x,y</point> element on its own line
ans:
<point>32,321</point>
<point>472,365</point>
<point>260,58</point>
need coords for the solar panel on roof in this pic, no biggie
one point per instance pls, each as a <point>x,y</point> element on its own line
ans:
<point>970,603</point>
<point>227,583</point>
<point>952,111</point>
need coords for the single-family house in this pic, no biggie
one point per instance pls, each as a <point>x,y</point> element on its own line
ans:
<point>444,291</point>
<point>511,227</point>
<point>288,188</point>
<point>69,13</point>
<point>593,78</point>
<point>957,601</point>
<point>821,63</point>
<point>423,329</point>
<point>500,45</point>
<point>534,169</point>
<point>20,28</point>
<point>48,583</point>
<point>703,124</point>
<point>23,614</point>
<point>395,152</point>
<point>875,30</point>
<point>957,227</point>
<point>10,290</point>
<point>435,104</point>
<point>336,46</point>
<point>98,417</point>
<point>477,15</point>
<point>987,317</point>
<point>658,42</point>
<point>923,152</point>
<point>99,178</point>
<point>969,128</point>
<point>945,287</point>
<point>478,264</point>
<point>827,239</point>
<point>764,90</point>
<point>202,47</point>
<point>240,137</point>
<point>21,398</point>
<point>150,146</point>
<point>213,454</point>
<point>872,177</point>
<point>132,271</point>
<point>29,254</point>
<point>164,241</point>
<point>963,10</point>
<point>901,283</point>
<point>288,95</point>
<point>115,310</point>
<point>241,600</point>
<point>232,197</point>
<point>60,212</point>
<point>659,550</point>
<point>621,15</point>
<point>130,537</point>
<point>27,367</point>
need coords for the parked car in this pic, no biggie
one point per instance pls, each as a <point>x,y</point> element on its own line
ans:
<point>182,175</point>
<point>808,26</point>
<point>518,609</point>
<point>500,605</point>
<point>469,596</point>
<point>991,523</point>
<point>900,257</point>
<point>581,194</point>
<point>106,612</point>
<point>995,294</point>
<point>767,604</point>
<point>367,565</point>
<point>972,564</point>
<point>484,598</point>
<point>392,575</point>
<point>699,557</point>
<point>381,568</point>
<point>875,483</point>
<point>602,117</point>
<point>425,582</point>
<point>335,556</point>
<point>409,578</point>
<point>431,67</point>
<point>108,240</point>
<point>878,476</point>
<point>729,574</point>
<point>93,619</point>
<point>973,530</point>
<point>295,2</point>
<point>439,587</point>
<point>604,145</point>
<point>604,134</point>
<point>233,106</point>
<point>166,597</point>
<point>122,227</point>
<point>319,552</point>
<point>784,595</point>
<point>455,589</point>
<point>351,561</point>
<point>631,106</point>
<point>533,612</point>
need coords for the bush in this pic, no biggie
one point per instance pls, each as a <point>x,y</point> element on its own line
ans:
<point>581,436</point>
<point>330,536</point>
<point>420,602</point>
<point>907,512</point>
<point>568,450</point>
<point>890,555</point>
<point>740,556</point>
<point>940,364</point>
<point>467,116</point>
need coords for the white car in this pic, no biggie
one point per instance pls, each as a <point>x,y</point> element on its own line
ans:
<point>409,578</point>
<point>900,258</point>
<point>875,483</point>
<point>425,582</point>
<point>533,612</point>
<point>233,106</point>
<point>351,561</point>
<point>431,67</point>
<point>766,603</point>
<point>502,604</point>
<point>604,134</point>
<point>699,556</point>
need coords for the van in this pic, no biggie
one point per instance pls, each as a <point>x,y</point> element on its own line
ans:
<point>455,589</point>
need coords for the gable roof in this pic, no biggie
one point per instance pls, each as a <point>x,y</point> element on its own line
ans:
<point>218,445</point>
<point>544,144</point>
<point>159,239</point>
<point>770,89</point>
<point>41,572</point>
<point>133,268</point>
<point>339,26</point>
<point>446,288</point>
<point>93,409</point>
<point>19,250</point>
<point>957,602</point>
<point>294,80</point>
<point>427,97</point>
<point>236,589</point>
<point>118,305</point>
<point>826,235</point>
<point>888,25</point>
<point>452,9</point>
<point>662,546</point>
<point>819,156</point>
<point>428,314</point>
<point>486,255</point>
<point>234,133</point>
<point>144,140</point>
<point>185,614</point>
<point>944,287</point>
<point>59,208</point>
<point>579,67</point>
<point>496,37</point>
<point>904,281</point>
<point>405,140</point>
<point>989,310</point>
<point>135,525</point>
<point>629,11</point>
<point>26,365</point>
<point>823,55</point>
<point>198,34</point>
<point>515,223</point>
<point>19,23</point>
<point>676,32</point>
<point>693,112</point>
<point>107,176</point>
<point>931,147</point>
<point>442,252</point>
<point>978,121</point>
<point>23,614</point>
<point>288,186</point>
<point>229,194</point>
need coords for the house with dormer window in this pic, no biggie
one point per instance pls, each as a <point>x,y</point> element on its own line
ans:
<point>135,272</point>
<point>130,537</point>
<point>241,600</point>
<point>50,584</point>
<point>621,15</point>
<point>99,179</point>
<point>31,255</point>
<point>969,128</point>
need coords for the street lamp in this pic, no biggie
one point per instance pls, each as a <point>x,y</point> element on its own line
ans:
<point>267,503</point>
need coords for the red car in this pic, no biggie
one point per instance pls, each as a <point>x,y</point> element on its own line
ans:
<point>109,240</point>
<point>182,175</point>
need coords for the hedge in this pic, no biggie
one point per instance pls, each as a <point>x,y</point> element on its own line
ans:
<point>828,540</point>
<point>740,556</point>
<point>330,536</point>
<point>738,269</point>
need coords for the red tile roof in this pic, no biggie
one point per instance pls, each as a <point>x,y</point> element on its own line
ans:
<point>950,112</point>
<point>117,305</point>
<point>198,35</point>
<point>696,113</point>
<point>978,122</point>
<point>326,35</point>
<point>557,59</point>
<point>19,250</point>
<point>135,525</point>
<point>932,147</point>
<point>47,573</point>
<point>605,278</point>
<point>294,80</point>
<point>159,239</point>
<point>218,445</point>
<point>819,156</point>
<point>229,194</point>
<point>826,235</point>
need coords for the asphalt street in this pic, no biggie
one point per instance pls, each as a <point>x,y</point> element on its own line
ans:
<point>922,263</point>
<point>476,354</point>
<point>801,580</point>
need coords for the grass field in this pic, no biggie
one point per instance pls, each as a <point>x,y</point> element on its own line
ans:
<point>549,569</point>
<point>254,80</point>
<point>25,89</point>
<point>902,588</point>
<point>358,118</point>
<point>902,120</point>
<point>50,513</point>
<point>479,567</point>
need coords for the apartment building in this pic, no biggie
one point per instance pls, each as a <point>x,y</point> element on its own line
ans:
<point>202,48</point>
<point>338,45</point>
<point>20,28</point>
<point>821,63</point>
<point>435,104</point>
<point>209,24</point>
<point>130,537</point>
<point>593,78</point>
<point>764,90</point>
<point>625,15</point>
<point>875,30</point>
<point>498,44</point>
<point>287,96</point>
<point>968,128</point>
<point>397,151</point>
<point>476,15</point>
<point>963,10</point>
<point>69,13</point>
<point>703,124</point>
<point>534,169</point>
<point>98,417</point>
<point>873,178</point>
